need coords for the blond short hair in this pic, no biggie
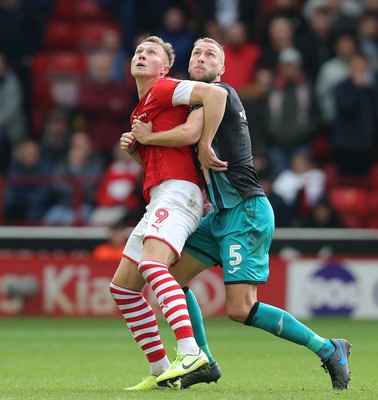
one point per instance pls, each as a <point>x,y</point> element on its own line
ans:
<point>167,47</point>
<point>212,41</point>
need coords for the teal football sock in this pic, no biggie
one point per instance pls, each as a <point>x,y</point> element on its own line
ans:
<point>196,319</point>
<point>282,324</point>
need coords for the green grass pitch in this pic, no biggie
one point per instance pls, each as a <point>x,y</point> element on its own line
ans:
<point>95,359</point>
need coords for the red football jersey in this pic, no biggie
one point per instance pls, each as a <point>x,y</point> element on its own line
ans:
<point>161,105</point>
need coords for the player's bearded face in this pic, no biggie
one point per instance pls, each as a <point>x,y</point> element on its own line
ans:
<point>204,64</point>
<point>198,74</point>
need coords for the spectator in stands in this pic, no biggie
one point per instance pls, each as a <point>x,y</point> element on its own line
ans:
<point>111,43</point>
<point>301,185</point>
<point>334,71</point>
<point>263,10</point>
<point>213,30</point>
<point>150,13</point>
<point>371,5</point>
<point>143,16</point>
<point>173,29</point>
<point>263,167</point>
<point>76,183</point>
<point>112,249</point>
<point>41,11</point>
<point>19,37</point>
<point>367,35</point>
<point>316,43</point>
<point>119,192</point>
<point>56,136</point>
<point>225,13</point>
<point>12,119</point>
<point>291,115</point>
<point>241,57</point>
<point>124,12</point>
<point>354,135</point>
<point>5,153</point>
<point>104,104</point>
<point>290,9</point>
<point>27,194</point>
<point>281,36</point>
<point>344,12</point>
<point>255,97</point>
<point>322,215</point>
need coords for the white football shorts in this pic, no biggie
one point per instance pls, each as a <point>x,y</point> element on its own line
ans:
<point>173,214</point>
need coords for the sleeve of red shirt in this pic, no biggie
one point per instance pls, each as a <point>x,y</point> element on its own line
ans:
<point>164,90</point>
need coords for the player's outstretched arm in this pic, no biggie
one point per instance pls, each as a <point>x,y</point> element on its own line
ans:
<point>214,100</point>
<point>182,135</point>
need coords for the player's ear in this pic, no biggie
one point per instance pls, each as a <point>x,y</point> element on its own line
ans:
<point>165,69</point>
<point>221,70</point>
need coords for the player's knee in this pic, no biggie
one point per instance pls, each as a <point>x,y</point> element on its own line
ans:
<point>181,281</point>
<point>237,313</point>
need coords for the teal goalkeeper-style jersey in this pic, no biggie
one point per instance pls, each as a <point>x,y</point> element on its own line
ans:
<point>232,143</point>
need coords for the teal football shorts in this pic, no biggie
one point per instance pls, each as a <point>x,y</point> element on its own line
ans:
<point>238,239</point>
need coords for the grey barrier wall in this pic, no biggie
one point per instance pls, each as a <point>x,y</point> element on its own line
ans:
<point>285,241</point>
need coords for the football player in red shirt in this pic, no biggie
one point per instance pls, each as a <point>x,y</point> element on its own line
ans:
<point>171,188</point>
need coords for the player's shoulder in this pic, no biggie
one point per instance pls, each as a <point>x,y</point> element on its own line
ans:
<point>229,89</point>
<point>221,84</point>
<point>166,81</point>
<point>164,87</point>
<point>224,85</point>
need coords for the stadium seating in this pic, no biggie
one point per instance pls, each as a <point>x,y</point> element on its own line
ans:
<point>373,208</point>
<point>89,35</point>
<point>73,36</point>
<point>354,198</point>
<point>373,222</point>
<point>75,29</point>
<point>351,203</point>
<point>373,175</point>
<point>60,36</point>
<point>80,10</point>
<point>55,75</point>
<point>59,63</point>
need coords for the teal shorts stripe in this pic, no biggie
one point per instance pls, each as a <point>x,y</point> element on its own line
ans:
<point>239,239</point>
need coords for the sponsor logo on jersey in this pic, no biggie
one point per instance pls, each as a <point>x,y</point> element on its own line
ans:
<point>242,114</point>
<point>233,270</point>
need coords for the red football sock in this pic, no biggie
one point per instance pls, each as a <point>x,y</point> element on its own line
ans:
<point>170,296</point>
<point>141,321</point>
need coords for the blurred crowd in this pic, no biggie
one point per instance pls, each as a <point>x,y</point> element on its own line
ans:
<point>306,71</point>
